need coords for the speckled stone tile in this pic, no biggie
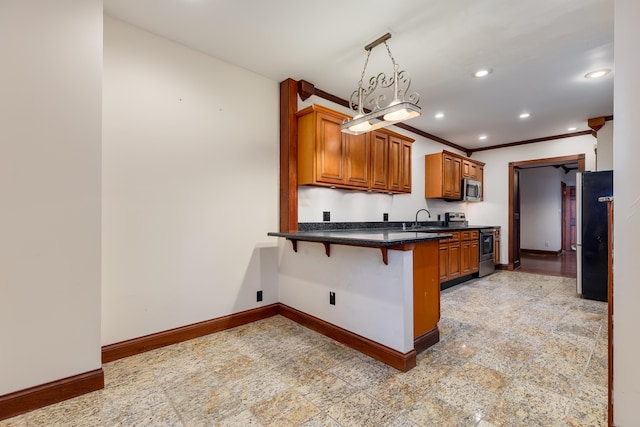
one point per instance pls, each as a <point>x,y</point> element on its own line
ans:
<point>361,410</point>
<point>128,406</point>
<point>430,411</point>
<point>200,402</point>
<point>362,372</point>
<point>288,408</point>
<point>498,361</point>
<point>398,392</point>
<point>402,422</point>
<point>18,421</point>
<point>320,420</point>
<point>458,348</point>
<point>322,388</point>
<point>84,410</point>
<point>241,419</point>
<point>549,379</point>
<point>259,386</point>
<point>597,371</point>
<point>468,397</point>
<point>590,407</point>
<point>524,404</point>
<point>516,349</point>
<point>486,378</point>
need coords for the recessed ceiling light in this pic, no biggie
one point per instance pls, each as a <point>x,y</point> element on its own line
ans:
<point>571,129</point>
<point>482,72</point>
<point>439,115</point>
<point>597,73</point>
<point>482,137</point>
<point>525,115</point>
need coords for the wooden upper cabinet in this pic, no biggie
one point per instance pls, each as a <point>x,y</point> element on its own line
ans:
<point>469,169</point>
<point>358,157</point>
<point>443,176</point>
<point>405,184</point>
<point>452,185</point>
<point>390,162</point>
<point>395,164</point>
<point>321,149</point>
<point>378,161</point>
<point>444,173</point>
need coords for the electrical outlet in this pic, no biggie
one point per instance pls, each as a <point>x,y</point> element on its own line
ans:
<point>326,216</point>
<point>385,216</point>
<point>259,296</point>
<point>546,244</point>
<point>332,298</point>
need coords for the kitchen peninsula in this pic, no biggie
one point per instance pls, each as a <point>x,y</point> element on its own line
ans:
<point>384,302</point>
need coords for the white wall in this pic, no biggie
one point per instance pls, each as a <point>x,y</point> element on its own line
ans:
<point>49,190</point>
<point>541,208</point>
<point>494,209</point>
<point>626,175</point>
<point>190,185</point>
<point>605,147</point>
<point>373,300</point>
<point>353,205</point>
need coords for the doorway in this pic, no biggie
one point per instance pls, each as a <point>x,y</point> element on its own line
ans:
<point>569,230</point>
<point>513,238</point>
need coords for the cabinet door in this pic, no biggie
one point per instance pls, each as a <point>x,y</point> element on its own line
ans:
<point>395,164</point>
<point>329,149</point>
<point>496,247</point>
<point>465,258</point>
<point>452,180</point>
<point>357,160</point>
<point>466,169</point>
<point>406,167</point>
<point>474,256</point>
<point>443,258</point>
<point>453,267</point>
<point>426,289</point>
<point>469,169</point>
<point>379,160</point>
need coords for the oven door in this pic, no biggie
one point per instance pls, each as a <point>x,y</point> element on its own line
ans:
<point>487,265</point>
<point>486,245</point>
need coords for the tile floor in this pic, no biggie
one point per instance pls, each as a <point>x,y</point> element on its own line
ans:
<point>516,349</point>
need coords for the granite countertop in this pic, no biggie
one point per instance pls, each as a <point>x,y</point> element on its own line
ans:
<point>380,234</point>
<point>364,237</point>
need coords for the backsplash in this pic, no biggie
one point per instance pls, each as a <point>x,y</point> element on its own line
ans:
<point>353,206</point>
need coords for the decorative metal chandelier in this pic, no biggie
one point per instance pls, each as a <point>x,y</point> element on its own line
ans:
<point>371,98</point>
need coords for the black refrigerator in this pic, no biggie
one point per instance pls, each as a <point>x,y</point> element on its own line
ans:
<point>593,233</point>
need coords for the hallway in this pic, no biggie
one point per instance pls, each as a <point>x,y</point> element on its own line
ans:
<point>563,265</point>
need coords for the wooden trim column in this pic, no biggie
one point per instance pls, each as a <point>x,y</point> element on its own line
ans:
<point>288,156</point>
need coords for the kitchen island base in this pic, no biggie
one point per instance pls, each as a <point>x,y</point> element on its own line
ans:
<point>388,311</point>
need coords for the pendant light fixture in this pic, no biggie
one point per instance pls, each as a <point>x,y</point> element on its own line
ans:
<point>374,115</point>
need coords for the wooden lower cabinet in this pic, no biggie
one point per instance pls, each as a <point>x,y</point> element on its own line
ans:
<point>426,289</point>
<point>459,255</point>
<point>454,267</point>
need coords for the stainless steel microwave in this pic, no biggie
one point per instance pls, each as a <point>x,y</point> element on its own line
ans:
<point>471,190</point>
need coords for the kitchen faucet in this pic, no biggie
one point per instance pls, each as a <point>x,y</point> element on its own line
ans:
<point>428,213</point>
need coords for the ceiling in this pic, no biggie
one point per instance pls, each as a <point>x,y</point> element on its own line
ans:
<point>539,52</point>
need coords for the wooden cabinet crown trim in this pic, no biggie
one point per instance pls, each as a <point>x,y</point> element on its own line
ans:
<point>451,153</point>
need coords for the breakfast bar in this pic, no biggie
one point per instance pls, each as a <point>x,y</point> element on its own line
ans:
<point>387,307</point>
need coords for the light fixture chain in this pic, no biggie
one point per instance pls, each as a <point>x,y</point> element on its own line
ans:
<point>364,70</point>
<point>393,60</point>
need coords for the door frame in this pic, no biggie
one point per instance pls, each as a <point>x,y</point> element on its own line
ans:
<point>564,217</point>
<point>549,161</point>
